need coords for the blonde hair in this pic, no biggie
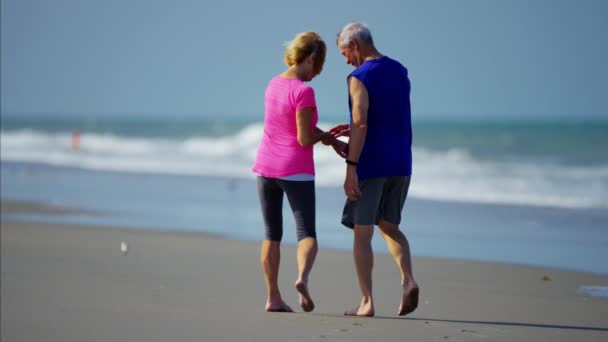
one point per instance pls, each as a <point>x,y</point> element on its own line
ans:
<point>302,46</point>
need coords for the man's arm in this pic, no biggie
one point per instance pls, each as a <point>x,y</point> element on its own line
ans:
<point>360,105</point>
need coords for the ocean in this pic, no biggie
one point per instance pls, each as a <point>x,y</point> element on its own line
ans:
<point>520,191</point>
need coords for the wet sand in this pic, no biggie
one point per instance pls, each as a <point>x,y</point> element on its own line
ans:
<point>73,283</point>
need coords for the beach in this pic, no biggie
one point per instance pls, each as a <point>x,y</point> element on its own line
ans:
<point>130,208</point>
<point>72,282</point>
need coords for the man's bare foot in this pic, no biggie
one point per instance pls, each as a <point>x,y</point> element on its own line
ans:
<point>409,300</point>
<point>277,306</point>
<point>305,301</point>
<point>364,309</point>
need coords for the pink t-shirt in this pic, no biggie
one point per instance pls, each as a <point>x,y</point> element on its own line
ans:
<point>280,154</point>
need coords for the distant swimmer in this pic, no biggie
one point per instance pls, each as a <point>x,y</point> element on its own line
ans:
<point>75,140</point>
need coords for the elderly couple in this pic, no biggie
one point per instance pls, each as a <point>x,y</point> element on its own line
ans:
<point>378,162</point>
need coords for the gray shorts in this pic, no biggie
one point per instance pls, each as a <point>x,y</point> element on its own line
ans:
<point>381,199</point>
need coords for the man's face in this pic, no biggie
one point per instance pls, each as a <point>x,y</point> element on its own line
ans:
<point>349,54</point>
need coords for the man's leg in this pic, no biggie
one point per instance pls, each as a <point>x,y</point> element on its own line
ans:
<point>400,250</point>
<point>271,258</point>
<point>364,262</point>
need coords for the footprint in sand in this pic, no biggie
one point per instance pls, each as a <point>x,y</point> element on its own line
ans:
<point>473,333</point>
<point>430,323</point>
<point>333,333</point>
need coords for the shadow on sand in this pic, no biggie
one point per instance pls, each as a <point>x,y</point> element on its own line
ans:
<point>511,324</point>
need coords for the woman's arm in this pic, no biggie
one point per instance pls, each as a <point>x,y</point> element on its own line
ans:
<point>306,135</point>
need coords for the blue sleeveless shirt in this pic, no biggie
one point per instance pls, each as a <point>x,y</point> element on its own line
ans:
<point>387,150</point>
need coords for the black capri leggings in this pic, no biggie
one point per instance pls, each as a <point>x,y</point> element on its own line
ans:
<point>301,197</point>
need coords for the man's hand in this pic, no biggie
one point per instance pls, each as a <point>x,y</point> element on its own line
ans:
<point>340,131</point>
<point>351,183</point>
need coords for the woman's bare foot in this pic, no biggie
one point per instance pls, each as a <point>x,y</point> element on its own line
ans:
<point>366,308</point>
<point>409,299</point>
<point>305,301</point>
<point>277,306</point>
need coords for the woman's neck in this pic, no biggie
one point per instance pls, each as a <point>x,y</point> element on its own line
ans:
<point>293,72</point>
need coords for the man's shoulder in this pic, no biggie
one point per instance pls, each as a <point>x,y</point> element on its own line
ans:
<point>395,63</point>
<point>380,68</point>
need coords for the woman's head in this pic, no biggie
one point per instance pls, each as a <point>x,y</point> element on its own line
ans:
<point>306,47</point>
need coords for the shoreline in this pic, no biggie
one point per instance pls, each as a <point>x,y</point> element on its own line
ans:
<point>72,282</point>
<point>41,211</point>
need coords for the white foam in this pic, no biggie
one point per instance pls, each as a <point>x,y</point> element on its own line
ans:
<point>443,175</point>
<point>593,291</point>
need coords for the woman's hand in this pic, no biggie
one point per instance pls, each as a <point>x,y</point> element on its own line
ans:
<point>340,131</point>
<point>326,138</point>
<point>340,147</point>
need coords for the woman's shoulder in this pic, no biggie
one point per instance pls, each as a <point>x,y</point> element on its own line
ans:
<point>278,84</point>
<point>292,86</point>
<point>302,87</point>
<point>275,79</point>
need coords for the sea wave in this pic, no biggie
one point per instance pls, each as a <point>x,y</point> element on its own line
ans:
<point>453,174</point>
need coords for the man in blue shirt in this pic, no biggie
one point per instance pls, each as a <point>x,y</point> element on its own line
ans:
<point>379,161</point>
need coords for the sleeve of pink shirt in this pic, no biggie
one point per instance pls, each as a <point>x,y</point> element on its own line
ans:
<point>305,98</point>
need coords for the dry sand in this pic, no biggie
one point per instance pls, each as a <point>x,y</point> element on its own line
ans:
<point>73,283</point>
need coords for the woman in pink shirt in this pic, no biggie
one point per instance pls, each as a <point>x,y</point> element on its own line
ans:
<point>284,164</point>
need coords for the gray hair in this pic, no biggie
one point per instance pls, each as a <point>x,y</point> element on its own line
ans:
<point>355,30</point>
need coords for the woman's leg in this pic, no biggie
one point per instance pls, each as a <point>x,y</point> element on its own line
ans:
<point>271,202</point>
<point>301,196</point>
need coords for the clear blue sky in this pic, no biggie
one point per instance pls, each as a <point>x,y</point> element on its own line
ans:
<point>466,58</point>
